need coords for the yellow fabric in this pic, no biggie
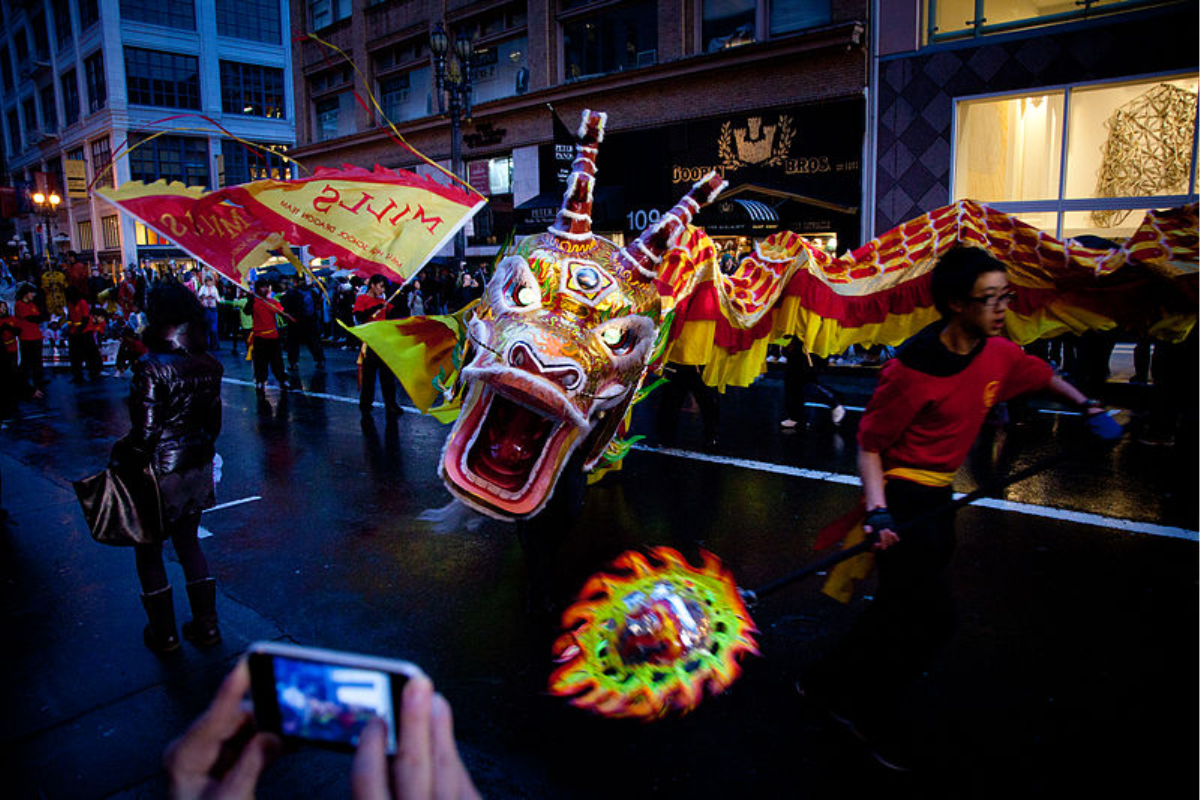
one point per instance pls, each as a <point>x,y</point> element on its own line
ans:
<point>418,350</point>
<point>925,477</point>
<point>846,575</point>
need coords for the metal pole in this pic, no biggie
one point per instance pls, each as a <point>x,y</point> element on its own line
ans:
<point>460,238</point>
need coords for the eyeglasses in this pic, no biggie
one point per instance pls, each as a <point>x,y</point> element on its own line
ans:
<point>993,300</point>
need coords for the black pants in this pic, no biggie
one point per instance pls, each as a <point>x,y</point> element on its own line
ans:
<point>268,356</point>
<point>373,367</point>
<point>912,614</point>
<point>682,380</point>
<point>306,332</point>
<point>31,362</point>
<point>152,573</point>
<point>82,349</point>
<point>802,378</point>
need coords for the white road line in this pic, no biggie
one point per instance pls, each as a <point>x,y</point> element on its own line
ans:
<point>232,503</point>
<point>1081,517</point>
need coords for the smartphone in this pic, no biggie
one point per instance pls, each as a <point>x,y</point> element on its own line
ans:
<point>325,697</point>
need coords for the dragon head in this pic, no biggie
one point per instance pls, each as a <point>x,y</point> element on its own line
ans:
<point>557,347</point>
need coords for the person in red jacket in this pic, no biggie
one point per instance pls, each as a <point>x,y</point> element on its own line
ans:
<point>81,337</point>
<point>29,318</point>
<point>13,386</point>
<point>917,430</point>
<point>268,347</point>
<point>372,306</point>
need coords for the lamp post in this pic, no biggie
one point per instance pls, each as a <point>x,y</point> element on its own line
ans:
<point>453,85</point>
<point>47,207</point>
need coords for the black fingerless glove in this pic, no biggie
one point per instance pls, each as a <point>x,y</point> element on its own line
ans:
<point>879,519</point>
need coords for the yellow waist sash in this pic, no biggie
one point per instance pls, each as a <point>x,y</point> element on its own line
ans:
<point>925,477</point>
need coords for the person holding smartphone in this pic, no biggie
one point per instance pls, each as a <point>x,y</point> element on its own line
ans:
<point>223,753</point>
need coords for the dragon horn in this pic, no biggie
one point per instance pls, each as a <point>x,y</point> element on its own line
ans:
<point>645,252</point>
<point>574,220</point>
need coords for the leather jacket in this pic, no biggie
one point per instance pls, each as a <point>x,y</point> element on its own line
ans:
<point>175,412</point>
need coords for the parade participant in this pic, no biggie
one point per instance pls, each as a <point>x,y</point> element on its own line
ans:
<point>222,755</point>
<point>304,306</point>
<point>268,350</point>
<point>54,290</point>
<point>175,416</point>
<point>209,298</point>
<point>29,318</point>
<point>131,349</point>
<point>127,293</point>
<point>372,306</point>
<point>13,385</point>
<point>81,337</point>
<point>803,375</point>
<point>918,428</point>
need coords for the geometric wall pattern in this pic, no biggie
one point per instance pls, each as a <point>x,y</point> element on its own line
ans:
<point>917,92</point>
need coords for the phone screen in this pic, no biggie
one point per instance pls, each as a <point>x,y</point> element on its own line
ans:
<point>331,703</point>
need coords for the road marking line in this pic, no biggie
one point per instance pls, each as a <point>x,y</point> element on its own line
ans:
<point>1081,517</point>
<point>232,503</point>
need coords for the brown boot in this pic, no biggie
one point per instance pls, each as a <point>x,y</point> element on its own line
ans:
<point>202,630</point>
<point>160,635</point>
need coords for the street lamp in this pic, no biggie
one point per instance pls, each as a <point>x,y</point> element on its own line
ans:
<point>48,207</point>
<point>453,85</point>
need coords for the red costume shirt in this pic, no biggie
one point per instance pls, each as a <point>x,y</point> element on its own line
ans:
<point>28,315</point>
<point>370,309</point>
<point>929,406</point>
<point>79,317</point>
<point>263,312</point>
<point>10,326</point>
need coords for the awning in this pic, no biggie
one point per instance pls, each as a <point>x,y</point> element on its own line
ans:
<point>738,216</point>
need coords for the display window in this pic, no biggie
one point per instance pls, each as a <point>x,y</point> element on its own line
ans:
<point>1088,158</point>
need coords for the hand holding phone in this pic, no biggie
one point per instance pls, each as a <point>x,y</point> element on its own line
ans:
<point>325,697</point>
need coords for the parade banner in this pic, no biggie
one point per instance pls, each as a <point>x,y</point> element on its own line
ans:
<point>377,221</point>
<point>224,237</point>
<point>373,221</point>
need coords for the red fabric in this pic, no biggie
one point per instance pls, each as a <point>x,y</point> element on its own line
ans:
<point>10,326</point>
<point>263,312</point>
<point>375,305</point>
<point>79,317</point>
<point>925,422</point>
<point>26,313</point>
<point>837,530</point>
<point>77,275</point>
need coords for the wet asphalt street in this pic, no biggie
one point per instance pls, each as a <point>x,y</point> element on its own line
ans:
<point>1072,673</point>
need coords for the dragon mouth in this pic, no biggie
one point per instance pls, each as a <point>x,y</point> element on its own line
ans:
<point>505,454</point>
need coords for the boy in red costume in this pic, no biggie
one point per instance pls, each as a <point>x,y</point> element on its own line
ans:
<point>29,319</point>
<point>268,348</point>
<point>916,432</point>
<point>372,306</point>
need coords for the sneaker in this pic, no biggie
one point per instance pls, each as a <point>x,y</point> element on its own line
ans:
<point>788,424</point>
<point>838,414</point>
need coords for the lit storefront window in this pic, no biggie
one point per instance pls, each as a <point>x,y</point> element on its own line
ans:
<point>1084,159</point>
<point>956,19</point>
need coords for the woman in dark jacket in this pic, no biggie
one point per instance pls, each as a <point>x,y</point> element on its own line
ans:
<point>175,411</point>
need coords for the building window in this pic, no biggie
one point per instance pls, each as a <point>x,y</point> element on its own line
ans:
<point>70,95</point>
<point>6,70</point>
<point>89,13</point>
<point>500,173</point>
<point>154,78</point>
<point>29,112</point>
<point>62,22</point>
<point>956,19</point>
<point>501,70</point>
<point>788,16</point>
<point>83,230</point>
<point>14,132</point>
<point>252,90</point>
<point>21,42</point>
<point>170,158</point>
<point>172,14</point>
<point>101,158</point>
<point>335,116</point>
<point>611,40</point>
<point>146,237</point>
<point>49,109</point>
<point>322,13</point>
<point>257,20</point>
<point>41,42</point>
<point>111,229</point>
<point>728,23</point>
<point>406,95</point>
<point>97,88</point>
<point>1083,159</point>
<point>244,164</point>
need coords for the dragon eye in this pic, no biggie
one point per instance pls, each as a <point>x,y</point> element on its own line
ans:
<point>526,296</point>
<point>619,340</point>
